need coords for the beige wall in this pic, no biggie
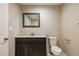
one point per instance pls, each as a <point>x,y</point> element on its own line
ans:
<point>49,20</point>
<point>70,28</point>
<point>14,17</point>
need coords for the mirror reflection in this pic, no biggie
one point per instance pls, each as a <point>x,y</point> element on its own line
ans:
<point>31,19</point>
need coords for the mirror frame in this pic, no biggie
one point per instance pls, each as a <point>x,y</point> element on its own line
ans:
<point>32,14</point>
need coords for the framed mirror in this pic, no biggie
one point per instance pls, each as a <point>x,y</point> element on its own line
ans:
<point>31,19</point>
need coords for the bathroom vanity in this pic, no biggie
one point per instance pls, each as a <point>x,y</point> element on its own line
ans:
<point>30,46</point>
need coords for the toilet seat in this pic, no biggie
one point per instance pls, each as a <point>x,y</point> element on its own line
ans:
<point>56,50</point>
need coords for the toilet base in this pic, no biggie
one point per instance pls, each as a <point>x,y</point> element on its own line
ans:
<point>55,54</point>
<point>63,54</point>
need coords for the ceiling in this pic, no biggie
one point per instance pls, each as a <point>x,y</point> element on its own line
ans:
<point>40,3</point>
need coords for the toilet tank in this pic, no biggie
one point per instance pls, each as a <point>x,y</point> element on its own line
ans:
<point>53,41</point>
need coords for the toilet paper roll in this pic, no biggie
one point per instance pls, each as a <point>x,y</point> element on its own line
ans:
<point>1,39</point>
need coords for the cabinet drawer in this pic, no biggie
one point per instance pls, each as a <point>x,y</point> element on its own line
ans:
<point>20,40</point>
<point>37,41</point>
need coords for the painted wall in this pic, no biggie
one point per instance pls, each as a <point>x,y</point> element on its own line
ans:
<point>14,17</point>
<point>4,28</point>
<point>49,20</point>
<point>70,28</point>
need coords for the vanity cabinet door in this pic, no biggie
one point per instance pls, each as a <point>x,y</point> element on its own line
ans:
<point>20,50</point>
<point>21,47</point>
<point>38,47</point>
<point>26,50</point>
<point>38,50</point>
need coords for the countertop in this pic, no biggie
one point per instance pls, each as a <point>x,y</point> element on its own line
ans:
<point>35,36</point>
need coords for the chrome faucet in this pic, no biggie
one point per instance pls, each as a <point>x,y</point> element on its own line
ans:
<point>32,34</point>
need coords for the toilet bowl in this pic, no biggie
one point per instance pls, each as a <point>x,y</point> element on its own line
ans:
<point>56,50</point>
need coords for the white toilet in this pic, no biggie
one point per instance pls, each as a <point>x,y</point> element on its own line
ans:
<point>54,48</point>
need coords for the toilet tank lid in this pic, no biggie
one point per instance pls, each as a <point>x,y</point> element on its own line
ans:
<point>52,37</point>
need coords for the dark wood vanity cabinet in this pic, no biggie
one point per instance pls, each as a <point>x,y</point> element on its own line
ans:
<point>30,46</point>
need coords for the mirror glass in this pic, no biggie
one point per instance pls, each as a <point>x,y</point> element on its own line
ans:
<point>31,19</point>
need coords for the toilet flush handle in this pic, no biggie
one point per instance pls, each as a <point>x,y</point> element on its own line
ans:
<point>67,41</point>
